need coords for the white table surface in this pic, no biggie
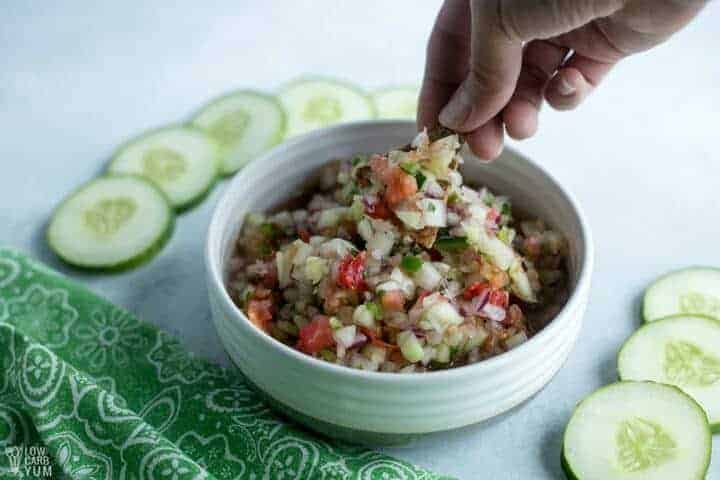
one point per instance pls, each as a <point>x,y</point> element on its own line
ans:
<point>78,77</point>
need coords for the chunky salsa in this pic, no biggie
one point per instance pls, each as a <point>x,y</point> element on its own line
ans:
<point>393,264</point>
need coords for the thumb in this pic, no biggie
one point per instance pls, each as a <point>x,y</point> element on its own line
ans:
<point>499,30</point>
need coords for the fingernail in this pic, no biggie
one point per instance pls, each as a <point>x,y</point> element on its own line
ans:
<point>564,87</point>
<point>456,111</point>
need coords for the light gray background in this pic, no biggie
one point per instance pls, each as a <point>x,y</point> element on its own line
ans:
<point>77,78</point>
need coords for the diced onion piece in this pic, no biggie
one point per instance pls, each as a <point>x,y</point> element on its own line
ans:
<point>439,317</point>
<point>364,229</point>
<point>434,212</point>
<point>521,283</point>
<point>345,336</point>
<point>421,139</point>
<point>317,240</point>
<point>332,216</point>
<point>433,189</point>
<point>388,286</point>
<point>283,264</point>
<point>363,316</point>
<point>379,236</point>
<point>427,276</point>
<point>337,248</point>
<point>405,283</point>
<point>494,313</point>
<point>412,219</point>
<point>410,346</point>
<point>299,251</point>
<point>316,268</point>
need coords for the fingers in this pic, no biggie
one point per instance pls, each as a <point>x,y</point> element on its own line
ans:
<point>540,62</point>
<point>495,61</point>
<point>447,60</point>
<point>574,81</point>
<point>499,28</point>
<point>486,142</point>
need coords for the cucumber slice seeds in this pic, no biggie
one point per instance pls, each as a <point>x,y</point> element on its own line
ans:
<point>181,161</point>
<point>639,431</point>
<point>112,222</point>
<point>245,123</point>
<point>396,103</point>
<point>694,290</point>
<point>317,103</point>
<point>680,350</point>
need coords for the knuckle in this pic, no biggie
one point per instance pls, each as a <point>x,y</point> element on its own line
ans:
<point>489,82</point>
<point>507,22</point>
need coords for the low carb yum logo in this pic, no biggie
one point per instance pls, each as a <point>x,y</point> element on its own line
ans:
<point>36,462</point>
<point>14,454</point>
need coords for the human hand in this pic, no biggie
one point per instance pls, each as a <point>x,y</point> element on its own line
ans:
<point>490,63</point>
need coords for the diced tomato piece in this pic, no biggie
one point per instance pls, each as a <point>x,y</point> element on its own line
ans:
<point>392,300</point>
<point>400,186</point>
<point>475,289</point>
<point>303,234</point>
<point>350,272</point>
<point>499,298</point>
<point>260,313</point>
<point>316,335</point>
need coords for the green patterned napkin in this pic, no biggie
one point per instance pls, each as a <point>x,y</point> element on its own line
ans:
<point>88,391</point>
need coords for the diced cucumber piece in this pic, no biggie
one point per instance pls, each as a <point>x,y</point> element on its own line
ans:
<point>182,161</point>
<point>245,123</point>
<point>112,222</point>
<point>638,431</point>
<point>410,346</point>
<point>694,290</point>
<point>317,103</point>
<point>397,102</point>
<point>363,316</point>
<point>680,350</point>
<point>451,244</point>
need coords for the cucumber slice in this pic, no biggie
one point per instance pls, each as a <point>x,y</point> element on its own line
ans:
<point>681,350</point>
<point>317,103</point>
<point>245,123</point>
<point>693,290</point>
<point>112,222</point>
<point>638,431</point>
<point>398,102</point>
<point>182,161</point>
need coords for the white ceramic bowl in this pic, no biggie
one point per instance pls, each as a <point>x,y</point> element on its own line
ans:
<point>384,408</point>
